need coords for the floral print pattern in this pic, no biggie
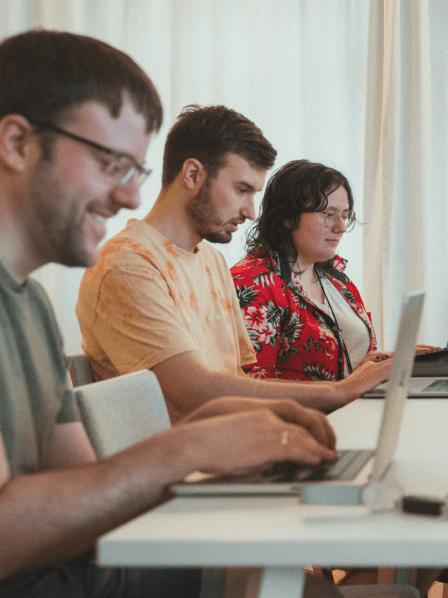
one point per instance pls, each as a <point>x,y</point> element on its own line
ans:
<point>292,337</point>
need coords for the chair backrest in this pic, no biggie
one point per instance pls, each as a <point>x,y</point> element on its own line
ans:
<point>122,411</point>
<point>80,370</point>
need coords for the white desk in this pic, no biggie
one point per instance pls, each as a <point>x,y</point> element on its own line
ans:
<point>281,535</point>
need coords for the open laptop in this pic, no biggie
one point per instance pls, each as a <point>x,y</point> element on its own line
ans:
<point>318,485</point>
<point>418,388</point>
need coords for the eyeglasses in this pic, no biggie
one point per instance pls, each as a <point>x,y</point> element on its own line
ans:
<point>122,166</point>
<point>331,217</point>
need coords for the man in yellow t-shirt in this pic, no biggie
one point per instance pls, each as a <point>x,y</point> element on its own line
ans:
<point>150,300</point>
<point>162,298</point>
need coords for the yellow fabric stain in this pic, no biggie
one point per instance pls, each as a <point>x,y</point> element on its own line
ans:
<point>171,270</point>
<point>170,249</point>
<point>226,304</point>
<point>193,302</point>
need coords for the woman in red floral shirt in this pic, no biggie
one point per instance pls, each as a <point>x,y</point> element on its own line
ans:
<point>306,319</point>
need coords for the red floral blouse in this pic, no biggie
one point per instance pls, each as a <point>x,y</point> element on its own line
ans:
<point>292,337</point>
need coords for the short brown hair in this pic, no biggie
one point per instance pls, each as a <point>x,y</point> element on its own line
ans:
<point>208,134</point>
<point>45,73</point>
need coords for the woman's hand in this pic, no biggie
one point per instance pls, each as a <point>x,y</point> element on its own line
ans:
<point>419,349</point>
<point>376,356</point>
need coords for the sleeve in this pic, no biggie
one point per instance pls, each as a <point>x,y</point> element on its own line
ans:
<point>69,411</point>
<point>137,322</point>
<point>264,307</point>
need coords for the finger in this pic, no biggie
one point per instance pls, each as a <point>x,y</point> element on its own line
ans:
<point>300,444</point>
<point>314,421</point>
<point>369,375</point>
<point>319,426</point>
<point>380,369</point>
<point>426,349</point>
<point>380,356</point>
<point>233,443</point>
<point>303,447</point>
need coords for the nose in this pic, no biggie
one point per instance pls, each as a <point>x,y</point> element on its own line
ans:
<point>248,210</point>
<point>339,226</point>
<point>127,195</point>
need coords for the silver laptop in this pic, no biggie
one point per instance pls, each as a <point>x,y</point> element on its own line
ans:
<point>320,485</point>
<point>418,388</point>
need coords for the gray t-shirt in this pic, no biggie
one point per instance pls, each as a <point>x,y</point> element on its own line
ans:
<point>34,394</point>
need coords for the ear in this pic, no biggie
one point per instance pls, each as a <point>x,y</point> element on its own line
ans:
<point>193,174</point>
<point>16,141</point>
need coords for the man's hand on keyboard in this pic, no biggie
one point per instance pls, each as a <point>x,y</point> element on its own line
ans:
<point>288,410</point>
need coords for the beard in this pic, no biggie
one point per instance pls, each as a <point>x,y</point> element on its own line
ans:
<point>56,222</point>
<point>205,219</point>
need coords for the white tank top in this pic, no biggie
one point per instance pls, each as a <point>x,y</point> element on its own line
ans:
<point>355,333</point>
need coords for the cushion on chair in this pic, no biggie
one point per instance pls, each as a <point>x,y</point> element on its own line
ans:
<point>122,411</point>
<point>80,370</point>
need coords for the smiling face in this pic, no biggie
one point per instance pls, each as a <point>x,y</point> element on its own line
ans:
<point>70,195</point>
<point>313,240</point>
<point>226,201</point>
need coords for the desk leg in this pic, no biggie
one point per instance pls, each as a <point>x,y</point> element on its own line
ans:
<point>286,582</point>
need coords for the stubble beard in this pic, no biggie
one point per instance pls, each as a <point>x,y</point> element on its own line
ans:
<point>204,217</point>
<point>57,234</point>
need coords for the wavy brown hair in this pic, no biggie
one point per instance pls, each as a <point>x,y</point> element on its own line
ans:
<point>297,187</point>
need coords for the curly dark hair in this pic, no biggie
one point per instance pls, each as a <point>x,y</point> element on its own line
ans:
<point>297,187</point>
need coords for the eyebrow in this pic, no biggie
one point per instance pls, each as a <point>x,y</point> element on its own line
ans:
<point>116,153</point>
<point>93,144</point>
<point>328,209</point>
<point>245,184</point>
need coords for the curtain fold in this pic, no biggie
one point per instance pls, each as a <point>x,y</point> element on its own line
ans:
<point>402,188</point>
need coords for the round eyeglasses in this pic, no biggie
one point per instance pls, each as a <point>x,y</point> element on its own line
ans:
<point>332,216</point>
<point>121,167</point>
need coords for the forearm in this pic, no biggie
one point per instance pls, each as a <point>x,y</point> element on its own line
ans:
<point>187,389</point>
<point>187,384</point>
<point>52,516</point>
<point>317,395</point>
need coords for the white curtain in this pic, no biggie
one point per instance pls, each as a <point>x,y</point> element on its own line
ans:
<point>301,70</point>
<point>405,242</point>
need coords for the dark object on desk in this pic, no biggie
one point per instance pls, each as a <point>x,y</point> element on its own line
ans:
<point>432,364</point>
<point>423,505</point>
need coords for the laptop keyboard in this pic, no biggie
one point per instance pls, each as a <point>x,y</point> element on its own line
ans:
<point>346,467</point>
<point>438,385</point>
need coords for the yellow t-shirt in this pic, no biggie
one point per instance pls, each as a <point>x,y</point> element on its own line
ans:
<point>147,300</point>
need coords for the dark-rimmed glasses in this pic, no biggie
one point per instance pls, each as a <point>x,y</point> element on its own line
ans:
<point>122,167</point>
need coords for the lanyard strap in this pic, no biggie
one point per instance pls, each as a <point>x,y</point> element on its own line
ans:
<point>285,275</point>
<point>347,357</point>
